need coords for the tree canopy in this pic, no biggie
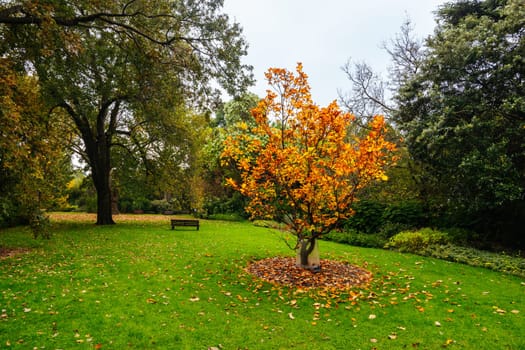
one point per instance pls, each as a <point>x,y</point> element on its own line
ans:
<point>463,112</point>
<point>124,71</point>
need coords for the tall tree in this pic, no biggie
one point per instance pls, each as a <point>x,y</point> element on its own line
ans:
<point>118,67</point>
<point>463,112</point>
<point>300,165</point>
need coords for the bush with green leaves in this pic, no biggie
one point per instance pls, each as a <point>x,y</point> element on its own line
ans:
<point>440,245</point>
<point>501,262</point>
<point>416,241</point>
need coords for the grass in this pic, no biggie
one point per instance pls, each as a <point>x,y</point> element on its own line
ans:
<point>140,285</point>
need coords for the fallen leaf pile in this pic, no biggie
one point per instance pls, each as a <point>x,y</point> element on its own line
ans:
<point>333,274</point>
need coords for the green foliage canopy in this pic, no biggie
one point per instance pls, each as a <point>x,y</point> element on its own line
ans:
<point>463,113</point>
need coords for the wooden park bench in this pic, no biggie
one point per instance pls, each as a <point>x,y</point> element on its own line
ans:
<point>184,222</point>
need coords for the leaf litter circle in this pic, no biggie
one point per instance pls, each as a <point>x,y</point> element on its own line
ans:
<point>333,274</point>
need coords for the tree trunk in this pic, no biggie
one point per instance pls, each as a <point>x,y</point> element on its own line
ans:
<point>97,141</point>
<point>308,254</point>
<point>104,207</point>
<point>99,154</point>
<point>104,197</point>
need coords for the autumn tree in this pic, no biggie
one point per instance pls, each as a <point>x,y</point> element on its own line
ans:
<point>123,70</point>
<point>300,165</point>
<point>34,164</point>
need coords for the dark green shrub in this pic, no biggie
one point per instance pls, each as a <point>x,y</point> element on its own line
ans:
<point>409,213</point>
<point>368,217</point>
<point>40,224</point>
<point>226,217</point>
<point>358,239</point>
<point>90,204</point>
<point>234,204</point>
<point>460,236</point>
<point>370,240</point>
<point>141,203</point>
<point>390,229</point>
<point>160,206</point>
<point>336,236</point>
<point>8,212</point>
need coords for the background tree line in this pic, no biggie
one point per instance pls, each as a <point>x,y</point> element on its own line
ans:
<point>127,85</point>
<point>457,102</point>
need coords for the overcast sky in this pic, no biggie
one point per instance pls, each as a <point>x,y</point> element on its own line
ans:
<point>323,35</point>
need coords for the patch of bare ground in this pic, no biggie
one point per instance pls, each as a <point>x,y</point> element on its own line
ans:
<point>11,252</point>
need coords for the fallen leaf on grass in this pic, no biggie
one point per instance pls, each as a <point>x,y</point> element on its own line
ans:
<point>515,312</point>
<point>194,299</point>
<point>448,342</point>
<point>500,311</point>
<point>291,316</point>
<point>392,336</point>
<point>371,317</point>
<point>151,301</point>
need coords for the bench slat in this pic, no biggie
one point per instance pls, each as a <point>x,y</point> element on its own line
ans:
<point>184,222</point>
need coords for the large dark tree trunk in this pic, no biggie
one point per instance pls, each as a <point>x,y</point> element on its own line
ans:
<point>101,172</point>
<point>104,200</point>
<point>97,144</point>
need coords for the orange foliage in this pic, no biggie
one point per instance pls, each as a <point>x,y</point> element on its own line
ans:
<point>299,162</point>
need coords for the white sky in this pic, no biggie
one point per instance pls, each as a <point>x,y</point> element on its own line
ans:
<point>323,35</point>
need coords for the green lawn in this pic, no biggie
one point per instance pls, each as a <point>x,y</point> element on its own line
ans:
<point>140,285</point>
